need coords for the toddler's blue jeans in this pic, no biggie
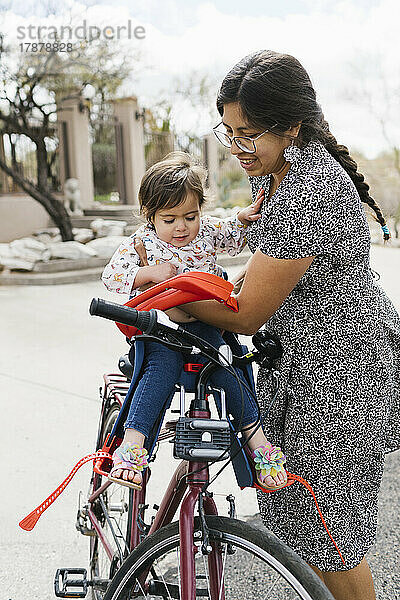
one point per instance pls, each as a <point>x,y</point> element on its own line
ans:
<point>161,371</point>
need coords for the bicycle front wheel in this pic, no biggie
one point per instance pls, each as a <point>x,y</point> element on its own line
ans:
<point>255,565</point>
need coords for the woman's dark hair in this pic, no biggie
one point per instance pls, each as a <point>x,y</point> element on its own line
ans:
<point>167,183</point>
<point>275,91</point>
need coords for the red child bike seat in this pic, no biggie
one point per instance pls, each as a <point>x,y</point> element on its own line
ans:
<point>181,289</point>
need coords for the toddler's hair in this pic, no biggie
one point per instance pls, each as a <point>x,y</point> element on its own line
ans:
<point>167,183</point>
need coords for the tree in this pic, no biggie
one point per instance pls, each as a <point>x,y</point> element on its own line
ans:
<point>376,87</point>
<point>22,112</point>
<point>180,114</point>
<point>29,90</point>
<point>384,182</point>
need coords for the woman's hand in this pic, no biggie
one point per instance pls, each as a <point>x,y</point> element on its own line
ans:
<point>252,213</point>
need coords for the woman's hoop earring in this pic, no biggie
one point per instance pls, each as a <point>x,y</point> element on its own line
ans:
<point>292,153</point>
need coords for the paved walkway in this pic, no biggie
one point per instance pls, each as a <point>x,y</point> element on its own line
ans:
<point>51,361</point>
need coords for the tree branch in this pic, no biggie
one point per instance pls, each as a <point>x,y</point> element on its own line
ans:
<point>50,203</point>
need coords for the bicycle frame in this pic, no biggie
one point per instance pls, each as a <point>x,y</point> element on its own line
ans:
<point>184,489</point>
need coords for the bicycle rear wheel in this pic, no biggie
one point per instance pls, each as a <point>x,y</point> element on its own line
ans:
<point>112,509</point>
<point>256,565</point>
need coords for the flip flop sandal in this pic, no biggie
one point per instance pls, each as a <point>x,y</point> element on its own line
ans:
<point>131,457</point>
<point>269,460</point>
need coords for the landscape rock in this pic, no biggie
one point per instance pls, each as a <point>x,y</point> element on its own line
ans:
<point>106,246</point>
<point>82,234</point>
<point>71,250</point>
<point>5,251</point>
<point>29,248</point>
<point>17,264</point>
<point>103,228</point>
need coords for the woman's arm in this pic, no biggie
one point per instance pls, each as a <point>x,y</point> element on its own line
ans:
<point>267,283</point>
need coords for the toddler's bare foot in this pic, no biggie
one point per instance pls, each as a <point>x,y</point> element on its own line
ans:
<point>128,475</point>
<point>269,461</point>
<point>129,460</point>
<point>278,481</point>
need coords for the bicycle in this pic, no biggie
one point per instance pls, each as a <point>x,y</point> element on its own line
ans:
<point>208,556</point>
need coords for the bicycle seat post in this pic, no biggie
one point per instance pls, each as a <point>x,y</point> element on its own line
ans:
<point>200,402</point>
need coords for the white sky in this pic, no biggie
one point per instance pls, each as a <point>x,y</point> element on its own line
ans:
<point>335,41</point>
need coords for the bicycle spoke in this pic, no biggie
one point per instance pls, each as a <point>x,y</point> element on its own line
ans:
<point>259,567</point>
<point>141,589</point>
<point>207,578</point>
<point>221,587</point>
<point>272,589</point>
<point>166,585</point>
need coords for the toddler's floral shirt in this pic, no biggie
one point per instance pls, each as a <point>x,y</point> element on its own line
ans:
<point>215,235</point>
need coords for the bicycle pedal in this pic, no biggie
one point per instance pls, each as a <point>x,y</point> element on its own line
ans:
<point>70,588</point>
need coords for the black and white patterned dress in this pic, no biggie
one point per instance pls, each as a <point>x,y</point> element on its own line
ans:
<point>338,407</point>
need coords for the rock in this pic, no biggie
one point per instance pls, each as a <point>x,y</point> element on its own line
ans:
<point>71,250</point>
<point>51,234</point>
<point>17,264</point>
<point>5,251</point>
<point>29,249</point>
<point>23,254</point>
<point>53,231</point>
<point>106,246</point>
<point>82,234</point>
<point>103,228</point>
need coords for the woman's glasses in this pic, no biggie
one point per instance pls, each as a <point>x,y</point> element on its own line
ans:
<point>242,142</point>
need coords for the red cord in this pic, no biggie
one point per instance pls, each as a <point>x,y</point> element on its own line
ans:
<point>29,522</point>
<point>291,478</point>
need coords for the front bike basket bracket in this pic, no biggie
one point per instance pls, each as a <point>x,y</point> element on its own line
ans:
<point>200,439</point>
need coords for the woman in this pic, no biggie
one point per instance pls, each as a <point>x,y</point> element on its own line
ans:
<point>309,280</point>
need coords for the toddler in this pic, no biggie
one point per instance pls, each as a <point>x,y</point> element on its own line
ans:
<point>178,239</point>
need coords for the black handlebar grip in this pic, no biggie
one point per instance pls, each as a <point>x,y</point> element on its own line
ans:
<point>143,320</point>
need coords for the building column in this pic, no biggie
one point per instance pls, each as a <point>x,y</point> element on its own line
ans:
<point>75,150</point>
<point>3,177</point>
<point>133,167</point>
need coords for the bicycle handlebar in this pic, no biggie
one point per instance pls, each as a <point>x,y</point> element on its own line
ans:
<point>156,322</point>
<point>143,320</point>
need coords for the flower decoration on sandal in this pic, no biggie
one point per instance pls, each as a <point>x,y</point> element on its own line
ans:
<point>269,460</point>
<point>132,454</point>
